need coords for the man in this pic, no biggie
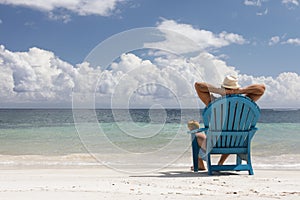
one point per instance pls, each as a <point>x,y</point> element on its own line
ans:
<point>230,85</point>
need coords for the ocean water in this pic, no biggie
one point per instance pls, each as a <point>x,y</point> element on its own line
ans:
<point>125,138</point>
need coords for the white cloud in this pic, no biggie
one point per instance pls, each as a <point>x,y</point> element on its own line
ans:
<point>293,41</point>
<point>274,40</point>
<point>265,12</point>
<point>59,17</point>
<point>262,10</point>
<point>80,7</point>
<point>197,39</point>
<point>291,2</point>
<point>252,3</point>
<point>282,91</point>
<point>39,77</point>
<point>164,80</point>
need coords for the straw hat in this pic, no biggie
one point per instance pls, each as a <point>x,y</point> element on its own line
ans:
<point>231,82</point>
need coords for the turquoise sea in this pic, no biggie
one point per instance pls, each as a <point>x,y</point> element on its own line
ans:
<point>137,137</point>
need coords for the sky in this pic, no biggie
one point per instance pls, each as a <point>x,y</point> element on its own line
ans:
<point>148,53</point>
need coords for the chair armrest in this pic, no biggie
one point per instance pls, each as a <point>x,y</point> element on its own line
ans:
<point>197,130</point>
<point>252,132</point>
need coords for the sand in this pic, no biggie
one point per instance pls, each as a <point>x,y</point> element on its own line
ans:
<point>168,183</point>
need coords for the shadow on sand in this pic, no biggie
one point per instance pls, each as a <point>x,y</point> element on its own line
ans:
<point>185,174</point>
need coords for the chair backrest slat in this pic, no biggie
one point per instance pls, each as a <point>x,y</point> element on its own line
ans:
<point>225,116</point>
<point>228,141</point>
<point>218,116</point>
<point>224,137</point>
<point>249,120</point>
<point>239,109</point>
<point>244,118</point>
<point>231,114</point>
<point>243,140</point>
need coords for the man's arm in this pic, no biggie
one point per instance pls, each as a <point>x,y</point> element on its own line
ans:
<point>204,89</point>
<point>254,91</point>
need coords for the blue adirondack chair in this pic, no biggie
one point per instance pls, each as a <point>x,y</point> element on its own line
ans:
<point>229,124</point>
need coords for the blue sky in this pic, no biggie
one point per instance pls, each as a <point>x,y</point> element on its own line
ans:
<point>269,29</point>
<point>24,27</point>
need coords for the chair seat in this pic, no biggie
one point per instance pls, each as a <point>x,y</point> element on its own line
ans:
<point>229,151</point>
<point>230,167</point>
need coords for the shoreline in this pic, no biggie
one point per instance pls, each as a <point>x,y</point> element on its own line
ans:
<point>86,160</point>
<point>167,183</point>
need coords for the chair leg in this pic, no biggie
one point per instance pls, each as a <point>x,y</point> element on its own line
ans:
<point>195,150</point>
<point>238,160</point>
<point>250,171</point>
<point>209,164</point>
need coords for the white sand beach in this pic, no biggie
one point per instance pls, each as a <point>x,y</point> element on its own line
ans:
<point>169,183</point>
